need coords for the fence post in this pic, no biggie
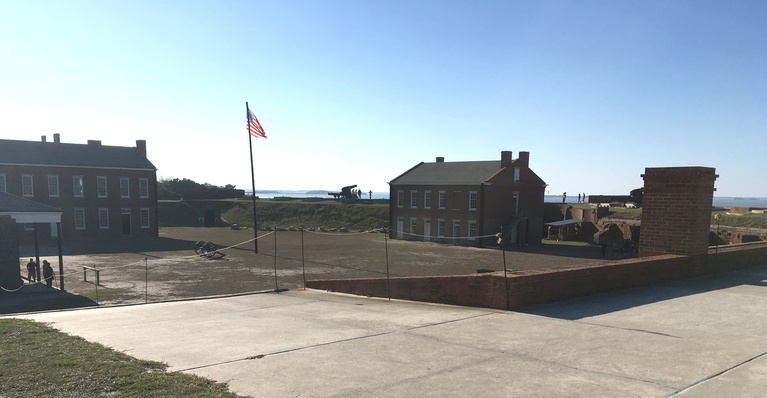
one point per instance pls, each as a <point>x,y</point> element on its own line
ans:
<point>386,245</point>
<point>303,263</point>
<point>276,287</point>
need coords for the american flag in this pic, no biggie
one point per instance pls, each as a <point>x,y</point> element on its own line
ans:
<point>254,126</point>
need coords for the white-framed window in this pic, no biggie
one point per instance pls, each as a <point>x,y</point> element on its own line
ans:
<point>101,186</point>
<point>473,200</point>
<point>413,225</point>
<point>124,187</point>
<point>79,218</point>
<point>441,227</point>
<point>413,199</point>
<point>78,187</point>
<point>442,199</point>
<point>143,188</point>
<point>53,186</point>
<point>472,230</point>
<point>427,199</point>
<point>3,187</point>
<point>400,198</point>
<point>144,213</point>
<point>27,186</point>
<point>103,218</point>
<point>516,174</point>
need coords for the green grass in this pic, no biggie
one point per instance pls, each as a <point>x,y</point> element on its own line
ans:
<point>38,361</point>
<point>326,213</point>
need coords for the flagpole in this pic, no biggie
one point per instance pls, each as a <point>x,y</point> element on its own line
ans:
<point>252,180</point>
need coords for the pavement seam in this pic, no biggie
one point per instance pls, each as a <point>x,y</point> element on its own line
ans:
<point>630,329</point>
<point>260,356</point>
<point>711,377</point>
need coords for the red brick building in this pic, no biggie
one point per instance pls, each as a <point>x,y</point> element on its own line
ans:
<point>101,190</point>
<point>457,202</point>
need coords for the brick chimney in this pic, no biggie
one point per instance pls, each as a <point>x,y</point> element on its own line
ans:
<point>56,138</point>
<point>141,147</point>
<point>94,142</point>
<point>506,158</point>
<point>524,158</point>
<point>440,159</point>
<point>43,138</point>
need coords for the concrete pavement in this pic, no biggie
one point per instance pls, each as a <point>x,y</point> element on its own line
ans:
<point>694,338</point>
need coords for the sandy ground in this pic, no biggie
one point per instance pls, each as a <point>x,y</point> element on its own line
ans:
<point>168,268</point>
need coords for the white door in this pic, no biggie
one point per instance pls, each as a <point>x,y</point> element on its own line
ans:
<point>426,230</point>
<point>400,228</point>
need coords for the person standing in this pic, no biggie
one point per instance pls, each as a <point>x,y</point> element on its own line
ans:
<point>370,195</point>
<point>31,267</point>
<point>564,197</point>
<point>48,273</point>
<point>579,198</point>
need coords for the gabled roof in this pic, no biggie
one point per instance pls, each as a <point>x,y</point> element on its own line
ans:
<point>449,173</point>
<point>24,210</point>
<point>38,153</point>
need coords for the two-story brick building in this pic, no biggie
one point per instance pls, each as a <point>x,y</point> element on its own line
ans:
<point>101,190</point>
<point>457,202</point>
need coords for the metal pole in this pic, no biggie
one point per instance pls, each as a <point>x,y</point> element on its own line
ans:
<point>386,245</point>
<point>275,260</point>
<point>505,278</point>
<point>146,280</point>
<point>303,263</point>
<point>61,257</point>
<point>252,180</point>
<point>37,254</point>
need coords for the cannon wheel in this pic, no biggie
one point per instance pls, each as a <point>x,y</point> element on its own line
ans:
<point>198,246</point>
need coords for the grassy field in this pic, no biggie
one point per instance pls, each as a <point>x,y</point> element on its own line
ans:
<point>38,361</point>
<point>327,213</point>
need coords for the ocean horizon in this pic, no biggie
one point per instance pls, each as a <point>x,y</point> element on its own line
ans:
<point>719,201</point>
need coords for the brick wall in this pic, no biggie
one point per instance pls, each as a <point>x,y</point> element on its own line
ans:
<point>546,286</point>
<point>676,210</point>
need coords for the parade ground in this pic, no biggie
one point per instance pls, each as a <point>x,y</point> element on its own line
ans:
<point>700,337</point>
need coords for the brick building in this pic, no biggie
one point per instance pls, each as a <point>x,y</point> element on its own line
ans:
<point>101,190</point>
<point>457,202</point>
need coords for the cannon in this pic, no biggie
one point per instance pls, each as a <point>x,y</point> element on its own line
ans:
<point>207,249</point>
<point>346,192</point>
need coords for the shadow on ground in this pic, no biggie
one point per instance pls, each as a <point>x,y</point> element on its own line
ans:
<point>37,297</point>
<point>586,307</point>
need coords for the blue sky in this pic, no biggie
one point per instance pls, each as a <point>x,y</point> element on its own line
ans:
<point>357,92</point>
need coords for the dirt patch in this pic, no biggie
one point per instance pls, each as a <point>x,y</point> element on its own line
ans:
<point>284,259</point>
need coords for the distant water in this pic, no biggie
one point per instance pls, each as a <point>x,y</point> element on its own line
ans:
<point>719,201</point>
<point>310,194</point>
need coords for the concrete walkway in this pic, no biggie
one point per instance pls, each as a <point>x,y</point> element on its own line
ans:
<point>694,338</point>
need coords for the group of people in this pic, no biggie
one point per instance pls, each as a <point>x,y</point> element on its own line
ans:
<point>581,197</point>
<point>32,270</point>
<point>358,193</point>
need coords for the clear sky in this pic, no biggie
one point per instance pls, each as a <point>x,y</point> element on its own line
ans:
<point>357,92</point>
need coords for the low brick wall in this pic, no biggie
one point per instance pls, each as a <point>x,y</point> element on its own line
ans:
<point>546,286</point>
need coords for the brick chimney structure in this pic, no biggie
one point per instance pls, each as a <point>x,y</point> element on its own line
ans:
<point>676,210</point>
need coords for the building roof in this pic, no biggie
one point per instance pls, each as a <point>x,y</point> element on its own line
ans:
<point>39,153</point>
<point>24,210</point>
<point>449,173</point>
<point>455,173</point>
